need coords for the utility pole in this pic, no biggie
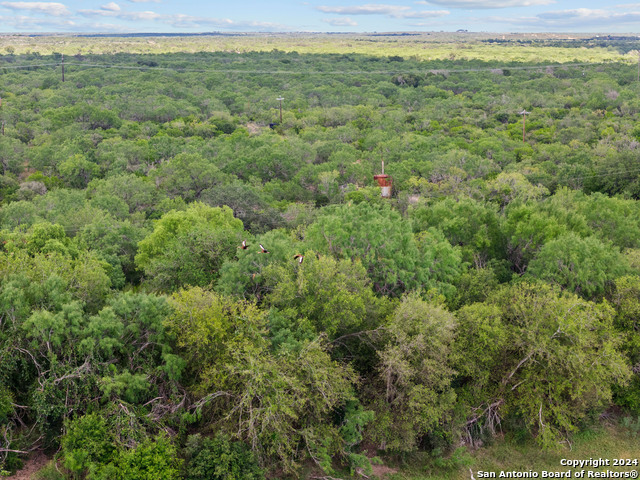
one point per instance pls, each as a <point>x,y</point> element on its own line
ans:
<point>63,67</point>
<point>2,116</point>
<point>638,76</point>
<point>524,114</point>
<point>280,100</point>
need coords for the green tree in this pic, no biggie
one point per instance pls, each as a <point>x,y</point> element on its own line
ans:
<point>139,194</point>
<point>334,296</point>
<point>188,175</point>
<point>11,155</point>
<point>534,353</point>
<point>8,189</point>
<point>510,187</point>
<point>116,154</point>
<point>475,285</point>
<point>379,238</point>
<point>413,395</point>
<point>77,171</point>
<point>247,205</point>
<point>527,229</point>
<point>116,242</point>
<point>188,247</point>
<point>87,442</point>
<point>468,223</point>
<point>444,261</point>
<point>218,458</point>
<point>245,277</point>
<point>130,334</point>
<point>150,460</point>
<point>274,403</point>
<point>626,300</point>
<point>85,277</point>
<point>610,218</point>
<point>585,266</point>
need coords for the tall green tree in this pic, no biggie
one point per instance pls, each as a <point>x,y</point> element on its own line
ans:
<point>585,266</point>
<point>535,353</point>
<point>383,241</point>
<point>413,395</point>
<point>187,175</point>
<point>334,296</point>
<point>275,403</point>
<point>188,247</point>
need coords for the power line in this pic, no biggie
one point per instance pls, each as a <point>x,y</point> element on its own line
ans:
<point>144,67</point>
<point>560,179</point>
<point>599,175</point>
<point>13,67</point>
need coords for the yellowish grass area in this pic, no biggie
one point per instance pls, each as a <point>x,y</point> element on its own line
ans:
<point>507,455</point>
<point>422,47</point>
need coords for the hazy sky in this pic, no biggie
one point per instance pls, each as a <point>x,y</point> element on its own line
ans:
<point>318,16</point>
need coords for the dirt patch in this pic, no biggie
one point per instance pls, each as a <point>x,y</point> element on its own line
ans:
<point>254,128</point>
<point>381,470</point>
<point>26,171</point>
<point>34,463</point>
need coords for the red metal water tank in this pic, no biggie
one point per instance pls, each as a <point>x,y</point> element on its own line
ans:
<point>384,181</point>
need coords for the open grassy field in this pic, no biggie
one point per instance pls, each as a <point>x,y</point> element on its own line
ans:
<point>425,46</point>
<point>510,454</point>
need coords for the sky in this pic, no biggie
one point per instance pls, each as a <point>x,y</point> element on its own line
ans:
<point>122,16</point>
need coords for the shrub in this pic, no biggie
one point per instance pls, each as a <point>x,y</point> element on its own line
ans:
<point>219,458</point>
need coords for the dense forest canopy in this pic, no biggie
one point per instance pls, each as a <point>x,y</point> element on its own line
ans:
<point>192,288</point>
